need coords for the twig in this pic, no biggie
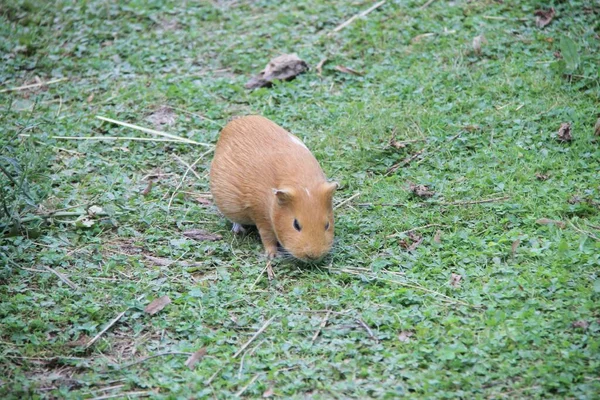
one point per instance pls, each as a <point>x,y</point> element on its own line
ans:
<point>362,14</point>
<point>412,230</point>
<point>584,232</point>
<point>355,195</point>
<point>242,390</point>
<point>62,277</point>
<point>152,131</point>
<point>184,175</point>
<point>321,326</point>
<point>187,165</point>
<point>144,359</point>
<point>108,138</point>
<point>261,330</point>
<point>320,65</point>
<point>504,18</point>
<point>594,226</point>
<point>125,395</point>
<point>107,327</point>
<point>33,85</point>
<point>366,327</point>
<point>465,203</point>
<point>426,4</point>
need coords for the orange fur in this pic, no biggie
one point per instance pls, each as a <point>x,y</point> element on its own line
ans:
<point>263,175</point>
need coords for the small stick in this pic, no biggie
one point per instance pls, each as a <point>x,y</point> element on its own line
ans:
<point>144,359</point>
<point>33,85</point>
<point>355,195</point>
<point>107,327</point>
<point>366,327</point>
<point>426,4</point>
<point>320,65</point>
<point>186,165</point>
<point>261,330</point>
<point>504,18</point>
<point>362,14</point>
<point>412,230</point>
<point>62,278</point>
<point>152,131</point>
<point>464,203</point>
<point>108,138</point>
<point>196,114</point>
<point>184,175</point>
<point>125,395</point>
<point>594,226</point>
<point>242,390</point>
<point>584,232</point>
<point>321,326</point>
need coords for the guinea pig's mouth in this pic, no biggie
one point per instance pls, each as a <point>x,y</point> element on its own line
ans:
<point>287,255</point>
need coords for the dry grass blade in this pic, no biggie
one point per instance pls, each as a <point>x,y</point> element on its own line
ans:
<point>242,390</point>
<point>427,4</point>
<point>107,327</point>
<point>107,138</point>
<point>362,14</point>
<point>349,199</point>
<point>261,330</point>
<point>413,230</point>
<point>348,70</point>
<point>62,278</point>
<point>319,67</point>
<point>153,131</point>
<point>185,175</point>
<point>547,221</point>
<point>33,85</point>
<point>321,326</point>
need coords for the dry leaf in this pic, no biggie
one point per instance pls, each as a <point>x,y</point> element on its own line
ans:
<point>477,42</point>
<point>546,221</point>
<point>455,280</point>
<point>597,128</point>
<point>268,392</point>
<point>203,201</point>
<point>195,357</point>
<point>543,17</point>
<point>157,305</point>
<point>82,341</point>
<point>285,67</point>
<point>90,98</point>
<point>320,65</point>
<point>580,324</point>
<point>201,235</point>
<point>515,246</point>
<point>564,132</point>
<point>148,188</point>
<point>347,70</point>
<point>164,116</point>
<point>438,237</point>
<point>411,242</point>
<point>421,190</point>
<point>405,336</point>
<point>542,177</point>
<point>93,210</point>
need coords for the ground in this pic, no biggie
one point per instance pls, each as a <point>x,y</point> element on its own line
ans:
<point>467,253</point>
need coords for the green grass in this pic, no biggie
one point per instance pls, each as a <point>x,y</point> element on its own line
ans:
<point>522,324</point>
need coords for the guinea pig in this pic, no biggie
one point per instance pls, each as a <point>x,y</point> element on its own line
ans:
<point>263,175</point>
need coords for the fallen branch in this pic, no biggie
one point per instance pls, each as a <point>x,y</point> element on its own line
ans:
<point>153,131</point>
<point>362,14</point>
<point>107,327</point>
<point>261,330</point>
<point>33,85</point>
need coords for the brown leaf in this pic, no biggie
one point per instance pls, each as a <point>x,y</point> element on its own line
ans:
<point>268,392</point>
<point>201,235</point>
<point>157,304</point>
<point>542,177</point>
<point>580,324</point>
<point>163,116</point>
<point>455,280</point>
<point>90,98</point>
<point>82,341</point>
<point>546,221</point>
<point>438,237</point>
<point>148,188</point>
<point>195,357</point>
<point>203,201</point>
<point>564,132</point>
<point>285,67</point>
<point>597,128</point>
<point>477,42</point>
<point>421,190</point>
<point>405,336</point>
<point>348,70</point>
<point>544,17</point>
<point>515,246</point>
<point>411,242</point>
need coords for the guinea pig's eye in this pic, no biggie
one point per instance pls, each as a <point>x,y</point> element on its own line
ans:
<point>297,225</point>
<point>327,226</point>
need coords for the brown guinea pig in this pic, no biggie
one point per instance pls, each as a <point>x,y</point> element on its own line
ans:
<point>263,175</point>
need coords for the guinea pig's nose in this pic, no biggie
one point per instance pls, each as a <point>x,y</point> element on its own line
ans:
<point>313,257</point>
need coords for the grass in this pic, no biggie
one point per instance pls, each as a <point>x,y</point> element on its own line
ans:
<point>375,320</point>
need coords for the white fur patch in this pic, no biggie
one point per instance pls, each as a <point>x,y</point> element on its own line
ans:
<point>307,192</point>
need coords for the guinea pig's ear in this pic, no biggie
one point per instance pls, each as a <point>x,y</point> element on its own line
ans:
<point>284,196</point>
<point>331,187</point>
